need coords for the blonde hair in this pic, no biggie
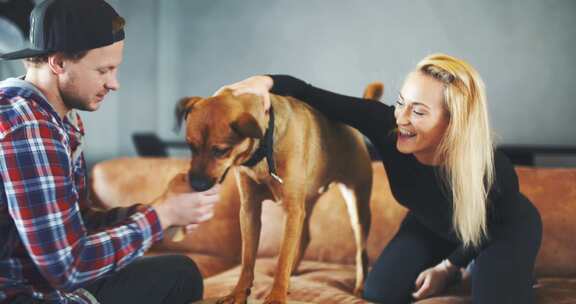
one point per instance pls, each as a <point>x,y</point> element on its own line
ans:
<point>466,151</point>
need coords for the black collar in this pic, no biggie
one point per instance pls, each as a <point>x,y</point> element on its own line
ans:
<point>266,149</point>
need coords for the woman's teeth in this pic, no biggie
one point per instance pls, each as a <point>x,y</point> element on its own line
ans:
<point>406,133</point>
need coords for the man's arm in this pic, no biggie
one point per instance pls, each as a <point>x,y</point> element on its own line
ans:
<point>96,219</point>
<point>35,168</point>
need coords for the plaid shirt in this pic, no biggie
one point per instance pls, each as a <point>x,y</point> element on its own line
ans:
<point>52,242</point>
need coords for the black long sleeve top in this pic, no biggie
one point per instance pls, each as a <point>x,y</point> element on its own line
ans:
<point>413,184</point>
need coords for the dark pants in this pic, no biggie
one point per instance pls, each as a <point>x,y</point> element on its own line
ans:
<point>159,279</point>
<point>502,272</point>
<point>155,280</point>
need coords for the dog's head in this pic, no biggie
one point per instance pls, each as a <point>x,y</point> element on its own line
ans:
<point>222,131</point>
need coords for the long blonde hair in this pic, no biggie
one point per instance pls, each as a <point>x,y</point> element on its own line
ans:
<point>466,151</point>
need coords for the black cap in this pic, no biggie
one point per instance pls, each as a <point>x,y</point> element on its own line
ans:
<point>70,26</point>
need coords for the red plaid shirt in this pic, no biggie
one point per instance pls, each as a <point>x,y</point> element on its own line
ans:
<point>53,243</point>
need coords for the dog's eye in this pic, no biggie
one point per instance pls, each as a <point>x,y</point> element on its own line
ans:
<point>219,152</point>
<point>192,151</point>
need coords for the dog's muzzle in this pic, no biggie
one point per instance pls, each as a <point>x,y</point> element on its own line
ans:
<point>200,183</point>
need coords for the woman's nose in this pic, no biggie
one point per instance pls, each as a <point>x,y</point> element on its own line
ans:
<point>402,116</point>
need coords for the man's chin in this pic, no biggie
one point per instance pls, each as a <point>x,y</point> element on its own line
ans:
<point>94,107</point>
<point>84,106</point>
<point>90,108</point>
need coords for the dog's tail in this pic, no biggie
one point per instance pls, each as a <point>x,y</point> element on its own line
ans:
<point>374,91</point>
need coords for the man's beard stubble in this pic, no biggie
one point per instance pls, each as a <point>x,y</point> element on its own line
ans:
<point>72,101</point>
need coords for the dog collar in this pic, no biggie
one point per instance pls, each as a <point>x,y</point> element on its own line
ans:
<point>266,150</point>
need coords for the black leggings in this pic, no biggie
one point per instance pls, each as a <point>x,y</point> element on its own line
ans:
<point>502,272</point>
<point>155,280</point>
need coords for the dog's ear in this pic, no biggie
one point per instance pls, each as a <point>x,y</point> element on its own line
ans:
<point>247,126</point>
<point>184,107</point>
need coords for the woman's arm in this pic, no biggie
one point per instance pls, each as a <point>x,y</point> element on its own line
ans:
<point>370,117</point>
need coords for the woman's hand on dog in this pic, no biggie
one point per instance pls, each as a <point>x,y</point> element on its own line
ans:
<point>259,85</point>
<point>180,205</point>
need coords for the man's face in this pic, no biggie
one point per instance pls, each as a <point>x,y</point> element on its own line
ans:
<point>85,82</point>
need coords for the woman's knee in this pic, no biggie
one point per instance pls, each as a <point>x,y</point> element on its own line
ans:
<point>379,290</point>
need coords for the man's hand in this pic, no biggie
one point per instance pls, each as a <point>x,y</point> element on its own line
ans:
<point>180,205</point>
<point>258,85</point>
<point>433,280</point>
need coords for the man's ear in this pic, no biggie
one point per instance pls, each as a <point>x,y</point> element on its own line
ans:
<point>56,63</point>
<point>247,126</point>
<point>184,107</point>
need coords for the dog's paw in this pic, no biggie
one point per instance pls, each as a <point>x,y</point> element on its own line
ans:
<point>275,298</point>
<point>274,302</point>
<point>231,299</point>
<point>235,298</point>
<point>359,291</point>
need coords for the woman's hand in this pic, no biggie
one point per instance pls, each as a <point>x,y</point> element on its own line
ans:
<point>258,85</point>
<point>433,280</point>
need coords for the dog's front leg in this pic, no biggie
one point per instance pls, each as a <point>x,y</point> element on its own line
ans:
<point>250,226</point>
<point>293,225</point>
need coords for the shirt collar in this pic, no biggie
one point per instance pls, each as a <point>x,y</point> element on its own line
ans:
<point>71,120</point>
<point>21,83</point>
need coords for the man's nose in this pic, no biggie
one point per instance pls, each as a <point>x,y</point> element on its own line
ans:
<point>112,83</point>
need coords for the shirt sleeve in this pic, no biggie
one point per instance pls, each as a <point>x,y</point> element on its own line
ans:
<point>36,171</point>
<point>461,257</point>
<point>372,118</point>
<point>97,219</point>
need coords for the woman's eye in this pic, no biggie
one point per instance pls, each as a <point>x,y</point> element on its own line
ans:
<point>418,113</point>
<point>399,103</point>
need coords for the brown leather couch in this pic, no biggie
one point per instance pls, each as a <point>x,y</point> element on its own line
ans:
<point>327,273</point>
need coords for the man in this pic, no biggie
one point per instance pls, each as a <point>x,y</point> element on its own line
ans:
<point>55,248</point>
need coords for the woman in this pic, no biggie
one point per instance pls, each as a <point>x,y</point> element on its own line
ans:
<point>463,197</point>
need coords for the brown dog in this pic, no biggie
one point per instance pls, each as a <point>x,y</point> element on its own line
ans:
<point>291,155</point>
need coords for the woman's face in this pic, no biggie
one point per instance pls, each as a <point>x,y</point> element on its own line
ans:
<point>421,117</point>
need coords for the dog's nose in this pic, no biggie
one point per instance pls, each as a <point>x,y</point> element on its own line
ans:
<point>200,183</point>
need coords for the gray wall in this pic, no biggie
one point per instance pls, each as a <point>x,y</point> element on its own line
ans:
<point>524,49</point>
